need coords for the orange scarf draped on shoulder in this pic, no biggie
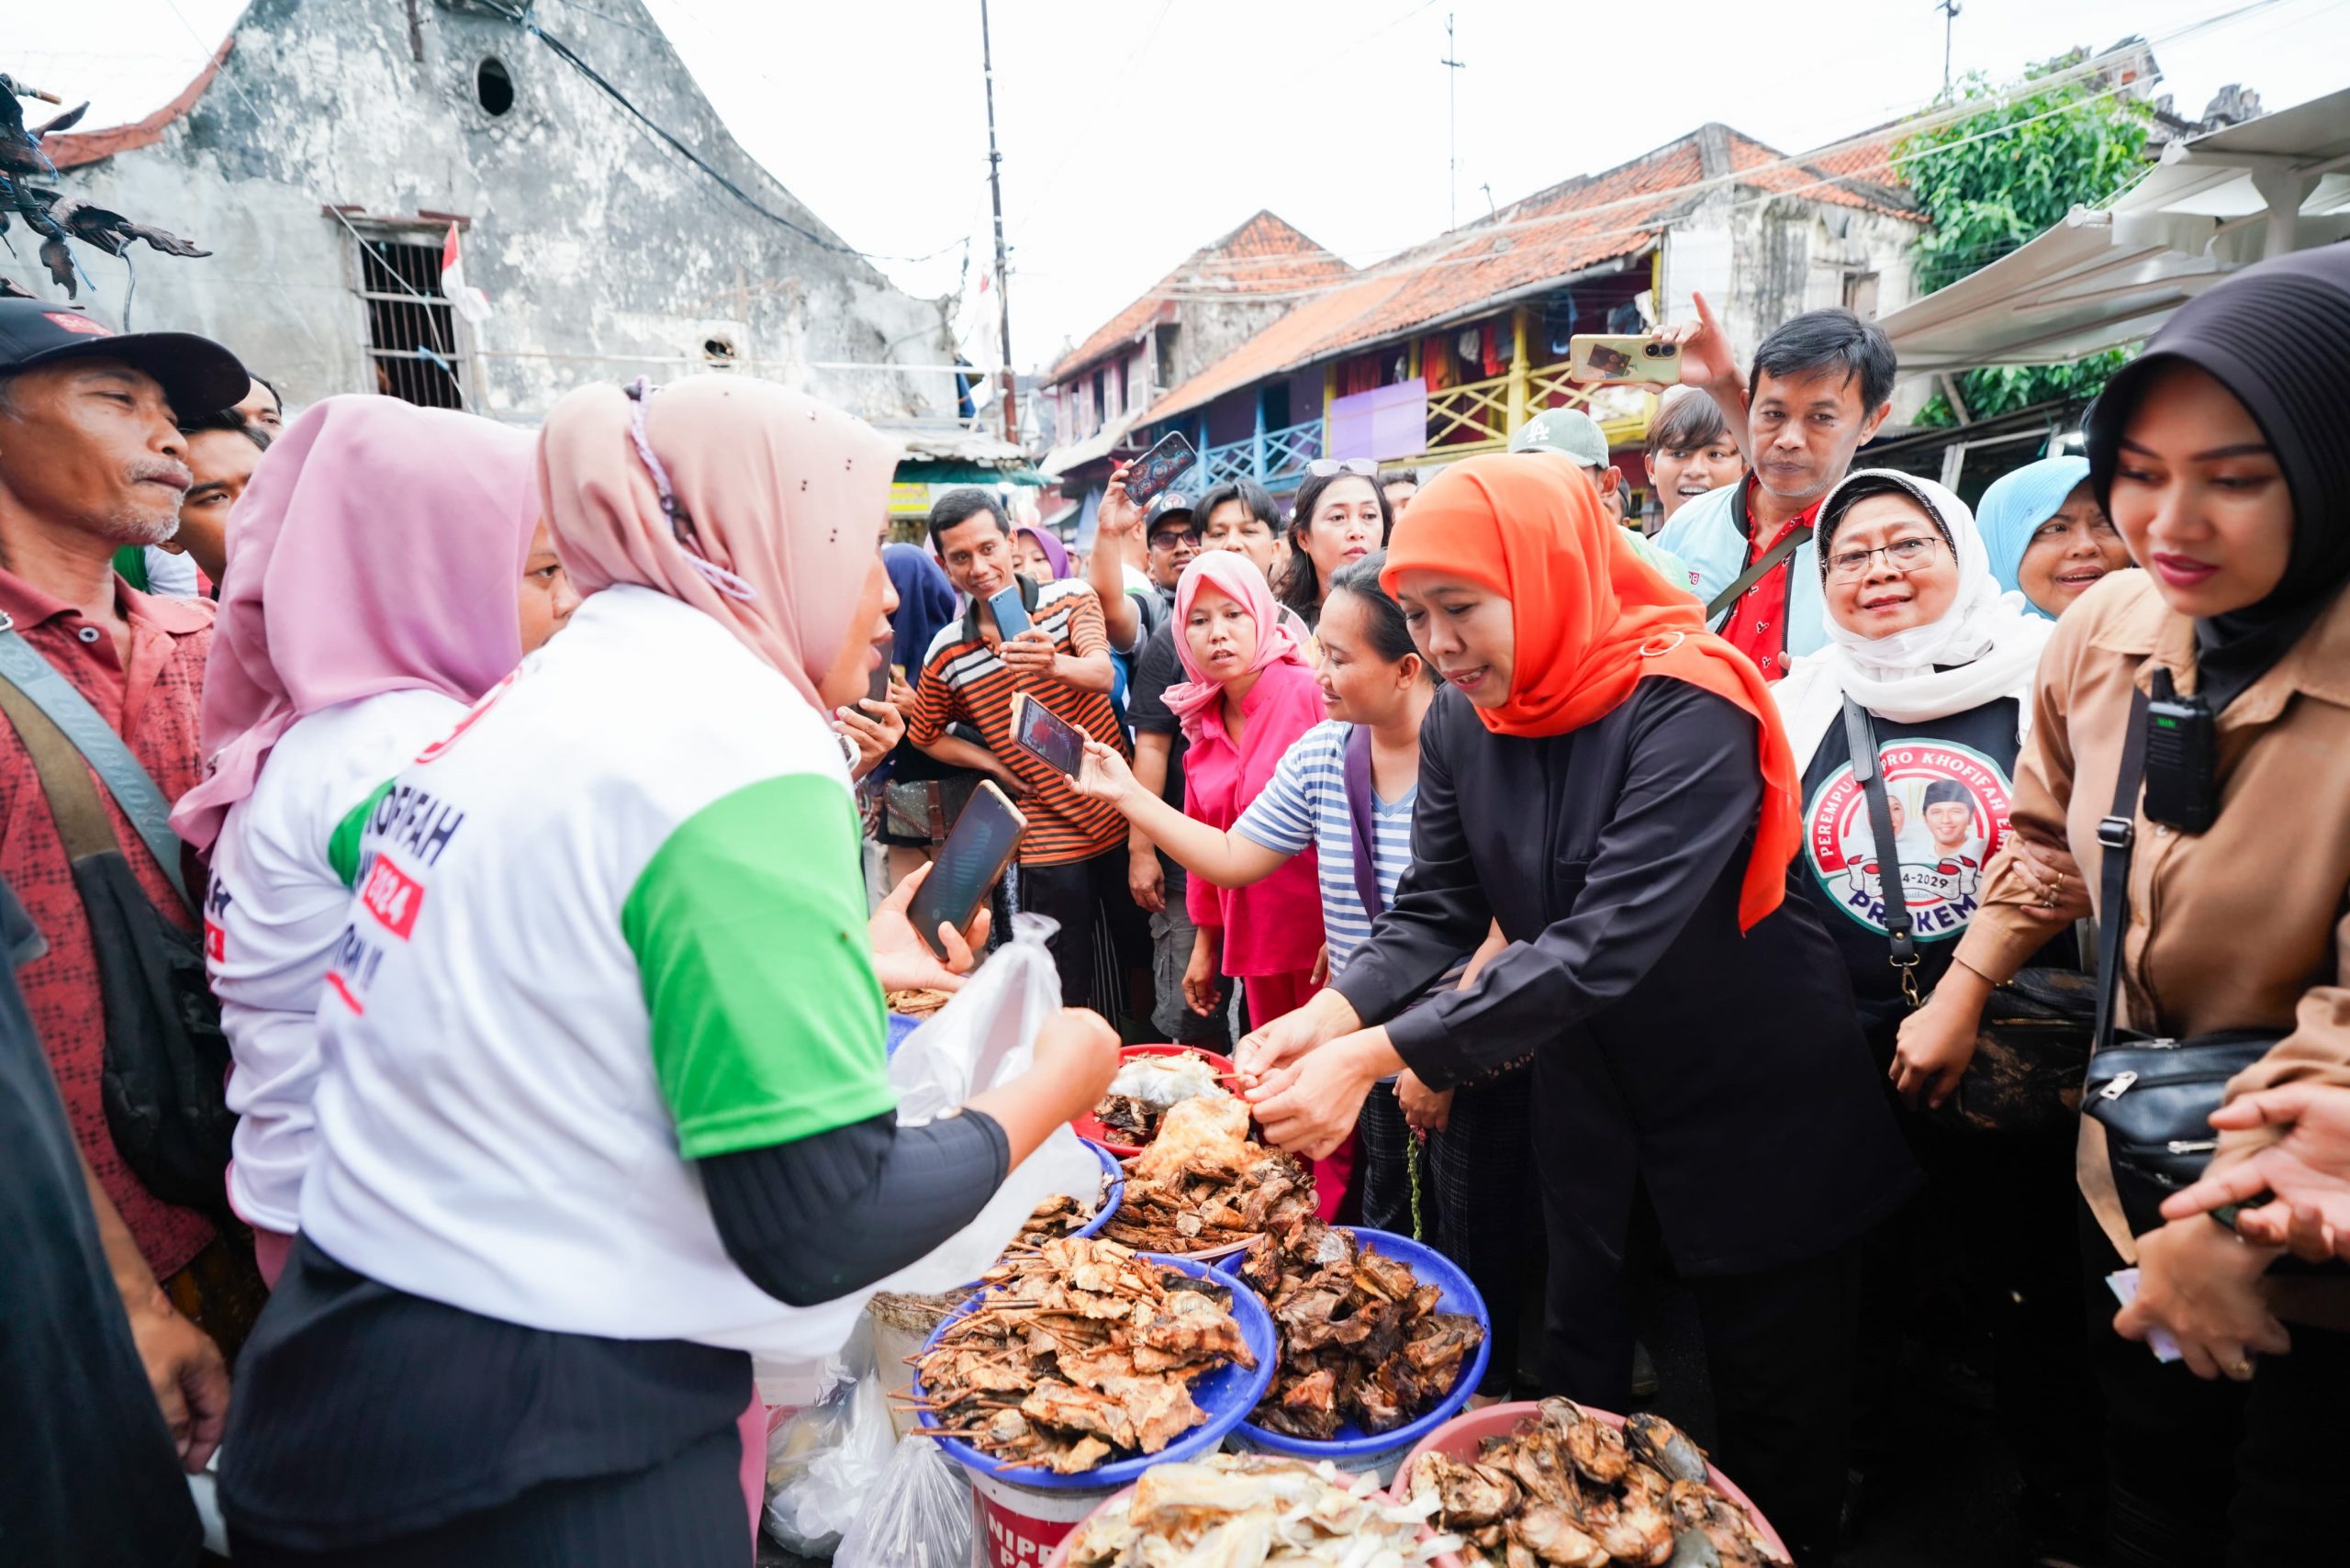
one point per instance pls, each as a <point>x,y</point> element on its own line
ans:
<point>1592,621</point>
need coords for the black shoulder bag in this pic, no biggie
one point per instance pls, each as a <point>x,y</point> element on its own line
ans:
<point>2154,1096</point>
<point>2029,1049</point>
<point>164,1076</point>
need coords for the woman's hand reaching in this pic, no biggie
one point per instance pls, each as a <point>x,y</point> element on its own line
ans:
<point>1104,775</point>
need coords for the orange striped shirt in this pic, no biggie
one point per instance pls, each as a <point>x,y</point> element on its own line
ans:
<point>963,681</point>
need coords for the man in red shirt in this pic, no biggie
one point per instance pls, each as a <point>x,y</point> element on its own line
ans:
<point>1822,386</point>
<point>91,460</point>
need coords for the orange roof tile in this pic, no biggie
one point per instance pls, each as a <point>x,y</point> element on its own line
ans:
<point>1257,245</point>
<point>70,149</point>
<point>1543,240</point>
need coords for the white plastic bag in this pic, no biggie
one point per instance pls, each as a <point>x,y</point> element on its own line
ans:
<point>982,1038</point>
<point>824,1464</point>
<point>919,1517</point>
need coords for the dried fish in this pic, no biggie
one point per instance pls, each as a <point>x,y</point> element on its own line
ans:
<point>1081,1352</point>
<point>1203,1184</point>
<point>1147,1087</point>
<point>1361,1338</point>
<point>917,1004</point>
<point>1058,1216</point>
<point>1240,1511</point>
<point>1567,1489</point>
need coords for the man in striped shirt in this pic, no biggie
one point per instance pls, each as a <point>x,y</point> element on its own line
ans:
<point>1070,859</point>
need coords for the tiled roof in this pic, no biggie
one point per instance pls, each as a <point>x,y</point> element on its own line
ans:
<point>70,149</point>
<point>1274,257</point>
<point>1546,237</point>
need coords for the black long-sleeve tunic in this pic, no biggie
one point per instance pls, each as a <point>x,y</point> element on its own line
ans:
<point>1726,1072</point>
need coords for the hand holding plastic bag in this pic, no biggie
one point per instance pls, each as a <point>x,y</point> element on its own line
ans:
<point>919,1517</point>
<point>982,1038</point>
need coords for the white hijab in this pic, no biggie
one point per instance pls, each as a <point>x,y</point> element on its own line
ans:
<point>1988,642</point>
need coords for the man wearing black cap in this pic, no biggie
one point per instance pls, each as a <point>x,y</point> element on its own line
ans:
<point>91,460</point>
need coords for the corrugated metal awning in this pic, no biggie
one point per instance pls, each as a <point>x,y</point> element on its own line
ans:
<point>2101,278</point>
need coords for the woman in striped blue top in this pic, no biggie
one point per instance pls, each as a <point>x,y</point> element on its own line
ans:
<point>1360,768</point>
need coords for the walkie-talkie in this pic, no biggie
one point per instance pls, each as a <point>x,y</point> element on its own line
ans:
<point>2180,792</point>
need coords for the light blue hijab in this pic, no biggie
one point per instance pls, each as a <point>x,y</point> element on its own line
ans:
<point>2018,503</point>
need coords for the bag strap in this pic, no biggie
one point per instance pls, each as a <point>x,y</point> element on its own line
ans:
<point>1796,539</point>
<point>82,820</point>
<point>2117,834</point>
<point>1359,821</point>
<point>69,713</point>
<point>1900,930</point>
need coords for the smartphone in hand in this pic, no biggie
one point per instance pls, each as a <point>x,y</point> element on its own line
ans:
<point>971,861</point>
<point>1161,467</point>
<point>878,689</point>
<point>1010,613</point>
<point>1596,358</point>
<point>1046,736</point>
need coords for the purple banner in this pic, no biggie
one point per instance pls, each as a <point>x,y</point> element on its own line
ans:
<point>1386,421</point>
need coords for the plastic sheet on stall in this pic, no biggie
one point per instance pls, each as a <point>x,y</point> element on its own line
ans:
<point>919,1517</point>
<point>824,1463</point>
<point>982,1038</point>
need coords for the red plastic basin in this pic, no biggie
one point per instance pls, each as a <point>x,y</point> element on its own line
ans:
<point>1088,1127</point>
<point>1462,1436</point>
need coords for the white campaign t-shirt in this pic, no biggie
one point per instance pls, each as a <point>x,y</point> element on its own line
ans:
<point>613,924</point>
<point>276,905</point>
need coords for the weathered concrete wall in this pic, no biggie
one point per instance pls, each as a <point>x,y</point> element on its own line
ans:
<point>606,255</point>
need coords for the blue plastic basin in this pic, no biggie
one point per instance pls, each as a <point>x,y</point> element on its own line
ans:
<point>1354,1448</point>
<point>1226,1394</point>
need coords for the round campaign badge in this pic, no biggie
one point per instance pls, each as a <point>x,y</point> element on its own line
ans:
<point>1950,807</point>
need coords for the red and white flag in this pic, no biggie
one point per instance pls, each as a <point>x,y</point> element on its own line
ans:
<point>470,302</point>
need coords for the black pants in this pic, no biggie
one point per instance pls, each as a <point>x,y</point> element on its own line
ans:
<point>2206,1473</point>
<point>1778,1350</point>
<point>1080,895</point>
<point>1385,1151</point>
<point>683,1513</point>
<point>1483,1171</point>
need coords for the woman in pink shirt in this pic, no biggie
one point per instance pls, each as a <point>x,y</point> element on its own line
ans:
<point>1252,694</point>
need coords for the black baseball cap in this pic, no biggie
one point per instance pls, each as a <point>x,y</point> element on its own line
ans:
<point>1169,503</point>
<point>198,374</point>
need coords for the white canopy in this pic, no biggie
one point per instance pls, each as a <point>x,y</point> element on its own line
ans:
<point>2104,277</point>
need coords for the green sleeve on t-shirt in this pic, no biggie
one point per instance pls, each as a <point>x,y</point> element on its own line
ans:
<point>342,844</point>
<point>749,930</point>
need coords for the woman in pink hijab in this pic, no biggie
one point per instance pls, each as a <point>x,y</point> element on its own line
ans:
<point>387,567</point>
<point>1252,694</point>
<point>606,1104</point>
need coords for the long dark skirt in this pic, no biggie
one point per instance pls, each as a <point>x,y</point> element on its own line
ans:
<point>1488,1205</point>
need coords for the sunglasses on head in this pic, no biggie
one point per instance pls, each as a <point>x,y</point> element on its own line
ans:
<point>1331,467</point>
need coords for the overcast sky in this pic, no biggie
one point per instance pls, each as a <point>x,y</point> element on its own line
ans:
<point>1134,130</point>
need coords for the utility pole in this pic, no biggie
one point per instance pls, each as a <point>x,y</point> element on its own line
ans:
<point>1949,9</point>
<point>1002,292</point>
<point>1451,123</point>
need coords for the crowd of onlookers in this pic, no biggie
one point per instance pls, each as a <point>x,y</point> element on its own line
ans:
<point>1727,890</point>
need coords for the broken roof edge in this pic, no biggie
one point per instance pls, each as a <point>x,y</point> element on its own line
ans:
<point>73,149</point>
<point>1094,347</point>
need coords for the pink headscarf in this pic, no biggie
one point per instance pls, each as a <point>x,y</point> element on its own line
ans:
<point>783,497</point>
<point>378,548</point>
<point>1237,577</point>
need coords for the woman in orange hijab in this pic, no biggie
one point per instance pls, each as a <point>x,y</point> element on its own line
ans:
<point>1608,780</point>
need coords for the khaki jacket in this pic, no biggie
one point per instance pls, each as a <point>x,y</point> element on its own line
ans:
<point>2247,927</point>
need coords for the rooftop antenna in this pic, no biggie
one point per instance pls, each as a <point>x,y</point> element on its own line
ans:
<point>1452,123</point>
<point>1949,10</point>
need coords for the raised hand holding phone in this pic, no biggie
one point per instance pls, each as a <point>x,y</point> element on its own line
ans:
<point>971,861</point>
